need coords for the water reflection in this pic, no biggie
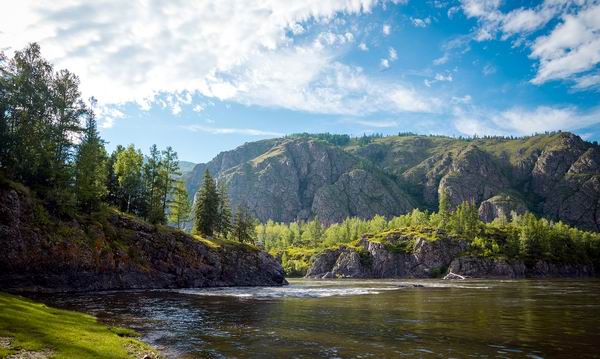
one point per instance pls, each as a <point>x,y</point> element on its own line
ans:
<point>361,319</point>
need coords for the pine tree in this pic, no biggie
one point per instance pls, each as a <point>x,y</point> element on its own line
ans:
<point>206,207</point>
<point>90,169</point>
<point>224,211</point>
<point>180,206</point>
<point>244,225</point>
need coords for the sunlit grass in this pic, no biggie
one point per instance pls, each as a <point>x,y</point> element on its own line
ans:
<point>33,326</point>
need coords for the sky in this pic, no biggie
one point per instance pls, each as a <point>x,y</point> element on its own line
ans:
<point>207,76</point>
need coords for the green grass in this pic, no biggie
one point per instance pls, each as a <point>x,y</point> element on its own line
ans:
<point>33,326</point>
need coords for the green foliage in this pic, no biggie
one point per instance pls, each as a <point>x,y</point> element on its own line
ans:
<point>244,225</point>
<point>525,237</point>
<point>207,207</point>
<point>181,208</point>
<point>90,169</point>
<point>128,172</point>
<point>331,138</point>
<point>224,225</point>
<point>295,260</point>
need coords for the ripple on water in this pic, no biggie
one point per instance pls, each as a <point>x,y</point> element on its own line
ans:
<point>287,292</point>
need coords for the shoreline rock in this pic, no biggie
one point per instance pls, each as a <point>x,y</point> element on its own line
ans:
<point>122,252</point>
<point>399,255</point>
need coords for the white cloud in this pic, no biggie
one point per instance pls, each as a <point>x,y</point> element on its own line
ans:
<point>386,29</point>
<point>420,22</point>
<point>373,123</point>
<point>569,51</point>
<point>134,50</point>
<point>309,79</point>
<point>363,46</point>
<point>442,77</point>
<point>198,108</point>
<point>385,63</point>
<point>521,121</point>
<point>442,59</point>
<point>108,115</point>
<point>231,131</point>
<point>573,47</point>
<point>438,78</point>
<point>393,55</point>
<point>488,69</point>
<point>545,118</point>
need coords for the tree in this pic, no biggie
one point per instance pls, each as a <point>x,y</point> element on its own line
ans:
<point>244,229</point>
<point>128,170</point>
<point>443,209</point>
<point>169,173</point>
<point>114,195</point>
<point>152,198</point>
<point>90,169</point>
<point>206,207</point>
<point>41,111</point>
<point>224,210</point>
<point>180,206</point>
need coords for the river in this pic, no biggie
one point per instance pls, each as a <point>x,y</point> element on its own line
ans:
<point>361,319</point>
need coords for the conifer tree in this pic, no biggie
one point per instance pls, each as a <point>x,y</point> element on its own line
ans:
<point>244,229</point>
<point>206,207</point>
<point>443,209</point>
<point>169,173</point>
<point>224,212</point>
<point>180,206</point>
<point>90,169</point>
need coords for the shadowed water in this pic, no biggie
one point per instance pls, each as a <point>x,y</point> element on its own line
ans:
<point>361,319</point>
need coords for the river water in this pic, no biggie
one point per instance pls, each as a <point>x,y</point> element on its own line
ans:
<point>361,319</point>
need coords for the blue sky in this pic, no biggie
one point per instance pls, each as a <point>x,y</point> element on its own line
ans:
<point>207,76</point>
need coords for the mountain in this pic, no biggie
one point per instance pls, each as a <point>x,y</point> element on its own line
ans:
<point>553,175</point>
<point>185,166</point>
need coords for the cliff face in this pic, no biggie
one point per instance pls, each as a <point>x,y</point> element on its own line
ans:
<point>556,176</point>
<point>401,254</point>
<point>115,252</point>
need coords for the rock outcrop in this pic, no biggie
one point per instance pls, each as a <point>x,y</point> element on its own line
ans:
<point>502,205</point>
<point>404,254</point>
<point>397,255</point>
<point>482,267</point>
<point>116,252</point>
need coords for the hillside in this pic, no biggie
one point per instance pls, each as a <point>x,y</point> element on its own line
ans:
<point>112,250</point>
<point>556,176</point>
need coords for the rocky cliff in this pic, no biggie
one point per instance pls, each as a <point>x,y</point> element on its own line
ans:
<point>115,251</point>
<point>404,253</point>
<point>296,178</point>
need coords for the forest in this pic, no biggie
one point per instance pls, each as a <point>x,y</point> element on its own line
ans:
<point>524,236</point>
<point>51,144</point>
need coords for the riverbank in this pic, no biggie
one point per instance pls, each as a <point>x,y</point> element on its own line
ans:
<point>110,250</point>
<point>30,329</point>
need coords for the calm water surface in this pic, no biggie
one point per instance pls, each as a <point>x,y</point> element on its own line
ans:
<point>361,319</point>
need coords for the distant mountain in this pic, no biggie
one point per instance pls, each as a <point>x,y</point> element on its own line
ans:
<point>300,177</point>
<point>185,166</point>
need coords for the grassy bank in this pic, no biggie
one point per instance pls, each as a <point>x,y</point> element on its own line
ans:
<point>29,328</point>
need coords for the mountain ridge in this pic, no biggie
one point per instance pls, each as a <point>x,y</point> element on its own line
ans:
<point>554,175</point>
